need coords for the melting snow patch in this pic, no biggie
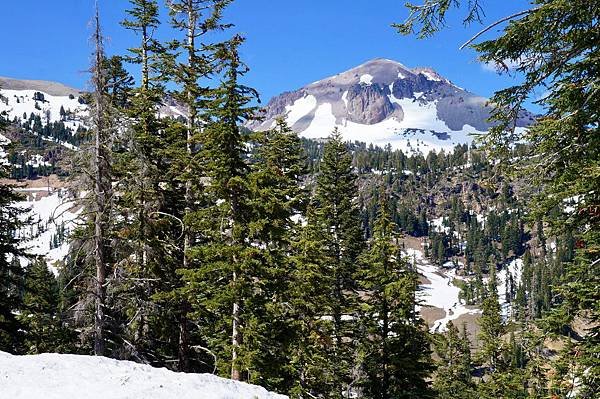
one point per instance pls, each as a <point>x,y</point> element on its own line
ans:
<point>509,275</point>
<point>52,213</point>
<point>322,124</point>
<point>419,130</point>
<point>3,142</point>
<point>27,102</point>
<point>430,76</point>
<point>345,98</point>
<point>440,291</point>
<point>438,225</point>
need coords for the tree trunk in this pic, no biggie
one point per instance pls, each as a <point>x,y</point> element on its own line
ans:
<point>100,175</point>
<point>183,352</point>
<point>187,239</point>
<point>235,336</point>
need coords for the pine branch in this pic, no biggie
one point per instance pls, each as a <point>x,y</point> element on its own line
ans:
<point>481,32</point>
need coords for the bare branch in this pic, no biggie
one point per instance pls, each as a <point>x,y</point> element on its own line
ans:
<point>481,32</point>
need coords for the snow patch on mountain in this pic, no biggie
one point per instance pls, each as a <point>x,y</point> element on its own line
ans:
<point>383,102</point>
<point>301,107</point>
<point>431,76</point>
<point>508,279</point>
<point>53,214</point>
<point>366,79</point>
<point>4,141</point>
<point>399,134</point>
<point>324,120</point>
<point>54,376</point>
<point>440,290</point>
<point>19,102</point>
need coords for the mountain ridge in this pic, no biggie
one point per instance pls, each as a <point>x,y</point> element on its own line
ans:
<point>49,87</point>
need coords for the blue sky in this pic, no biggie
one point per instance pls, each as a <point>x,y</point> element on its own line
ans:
<point>289,42</point>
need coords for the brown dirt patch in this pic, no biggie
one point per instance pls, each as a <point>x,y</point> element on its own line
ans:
<point>432,314</point>
<point>52,181</point>
<point>471,321</point>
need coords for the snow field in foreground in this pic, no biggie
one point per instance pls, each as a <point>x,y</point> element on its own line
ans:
<point>54,376</point>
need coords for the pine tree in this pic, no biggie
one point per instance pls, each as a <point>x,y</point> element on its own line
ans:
<point>196,19</point>
<point>143,202</point>
<point>278,202</point>
<point>491,326</point>
<point>396,349</point>
<point>310,289</point>
<point>11,271</point>
<point>40,317</point>
<point>453,375</point>
<point>336,214</point>
<point>221,288</point>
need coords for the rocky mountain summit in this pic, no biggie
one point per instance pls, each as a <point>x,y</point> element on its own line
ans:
<point>383,101</point>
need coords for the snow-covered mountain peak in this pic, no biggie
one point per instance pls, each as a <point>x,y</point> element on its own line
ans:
<point>385,102</point>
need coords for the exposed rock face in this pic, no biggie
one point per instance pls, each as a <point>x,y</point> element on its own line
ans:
<point>368,104</point>
<point>383,92</point>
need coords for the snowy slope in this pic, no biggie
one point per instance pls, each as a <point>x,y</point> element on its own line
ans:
<point>510,273</point>
<point>19,99</point>
<point>50,210</point>
<point>53,376</point>
<point>16,103</point>
<point>3,142</point>
<point>440,292</point>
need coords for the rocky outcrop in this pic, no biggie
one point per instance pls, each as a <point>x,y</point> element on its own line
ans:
<point>368,104</point>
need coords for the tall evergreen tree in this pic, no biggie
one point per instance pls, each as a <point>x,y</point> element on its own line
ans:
<point>491,326</point>
<point>11,271</point>
<point>189,66</point>
<point>337,227</point>
<point>397,358</point>
<point>453,375</point>
<point>141,170</point>
<point>41,319</point>
<point>223,283</point>
<point>278,201</point>
<point>309,291</point>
